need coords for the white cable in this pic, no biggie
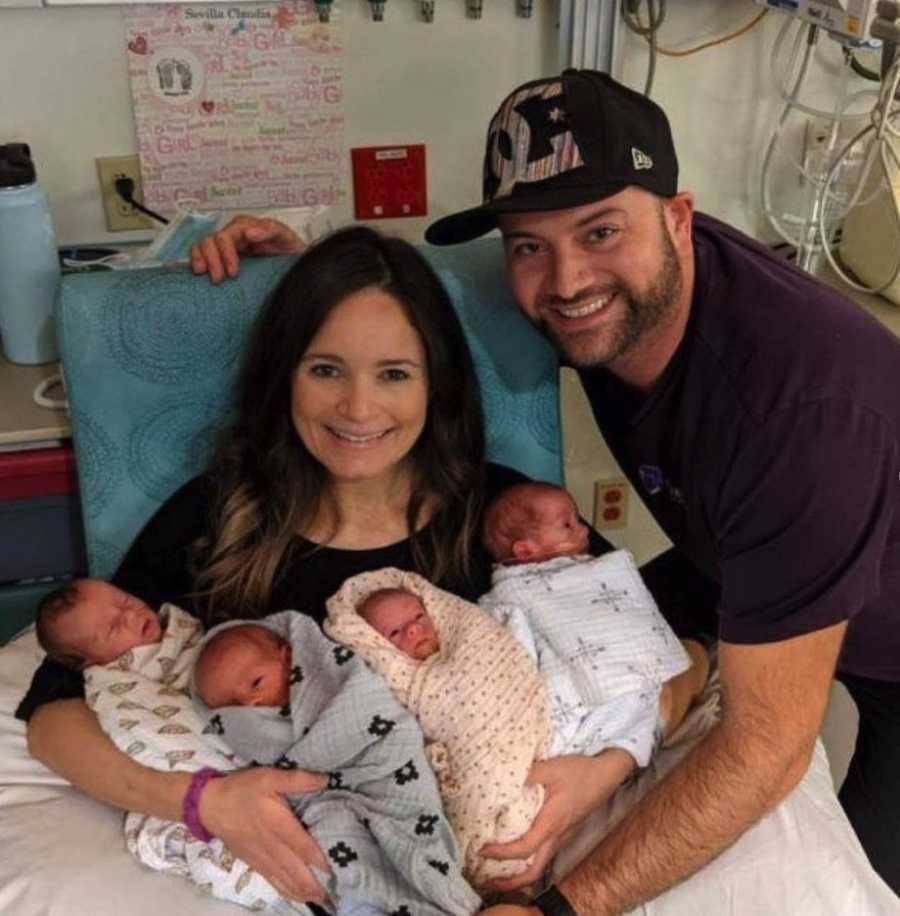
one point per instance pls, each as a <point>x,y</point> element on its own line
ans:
<point>40,393</point>
<point>767,209</point>
<point>781,74</point>
<point>885,136</point>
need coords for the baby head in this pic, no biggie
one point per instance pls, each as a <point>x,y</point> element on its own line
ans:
<point>530,522</point>
<point>245,665</point>
<point>91,622</point>
<point>400,617</point>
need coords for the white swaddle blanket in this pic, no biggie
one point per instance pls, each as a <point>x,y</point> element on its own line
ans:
<point>600,643</point>
<point>141,701</point>
<point>480,702</point>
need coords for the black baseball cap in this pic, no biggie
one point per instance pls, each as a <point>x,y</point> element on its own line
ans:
<point>563,142</point>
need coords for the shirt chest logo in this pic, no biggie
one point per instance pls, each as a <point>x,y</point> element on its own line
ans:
<point>654,482</point>
<point>652,478</point>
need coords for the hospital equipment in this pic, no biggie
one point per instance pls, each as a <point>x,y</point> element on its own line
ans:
<point>848,20</point>
<point>848,163</point>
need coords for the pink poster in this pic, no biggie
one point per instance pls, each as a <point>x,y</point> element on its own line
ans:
<point>237,106</point>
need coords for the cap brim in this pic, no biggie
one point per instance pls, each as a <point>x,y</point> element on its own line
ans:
<point>477,221</point>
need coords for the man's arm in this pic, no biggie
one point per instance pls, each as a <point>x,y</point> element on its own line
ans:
<point>774,698</point>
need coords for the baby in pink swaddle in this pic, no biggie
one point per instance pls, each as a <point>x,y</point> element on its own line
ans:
<point>475,692</point>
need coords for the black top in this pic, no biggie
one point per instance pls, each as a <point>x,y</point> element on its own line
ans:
<point>769,452</point>
<point>157,569</point>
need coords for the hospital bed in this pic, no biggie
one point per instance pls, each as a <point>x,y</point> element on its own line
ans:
<point>149,357</point>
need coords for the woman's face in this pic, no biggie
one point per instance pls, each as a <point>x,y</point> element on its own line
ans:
<point>360,392</point>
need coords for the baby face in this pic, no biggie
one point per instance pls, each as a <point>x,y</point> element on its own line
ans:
<point>559,531</point>
<point>247,668</point>
<point>403,620</point>
<point>107,622</point>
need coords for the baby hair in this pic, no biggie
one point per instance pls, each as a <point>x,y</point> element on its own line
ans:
<point>51,611</point>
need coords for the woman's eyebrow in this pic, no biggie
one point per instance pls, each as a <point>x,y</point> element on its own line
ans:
<point>400,361</point>
<point>332,357</point>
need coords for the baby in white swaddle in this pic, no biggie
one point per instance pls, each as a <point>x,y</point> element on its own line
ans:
<point>616,674</point>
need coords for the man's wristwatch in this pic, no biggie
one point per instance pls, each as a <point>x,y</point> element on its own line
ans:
<point>552,903</point>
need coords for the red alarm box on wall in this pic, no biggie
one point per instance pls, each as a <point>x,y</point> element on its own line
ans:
<point>389,181</point>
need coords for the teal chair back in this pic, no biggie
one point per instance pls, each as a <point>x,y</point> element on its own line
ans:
<point>150,358</point>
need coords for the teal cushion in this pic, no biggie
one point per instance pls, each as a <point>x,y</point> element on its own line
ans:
<point>150,356</point>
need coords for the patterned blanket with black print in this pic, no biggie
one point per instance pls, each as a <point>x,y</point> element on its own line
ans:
<point>379,820</point>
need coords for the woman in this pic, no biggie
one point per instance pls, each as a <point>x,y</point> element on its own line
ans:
<point>358,443</point>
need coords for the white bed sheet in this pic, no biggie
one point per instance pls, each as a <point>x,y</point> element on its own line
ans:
<point>62,854</point>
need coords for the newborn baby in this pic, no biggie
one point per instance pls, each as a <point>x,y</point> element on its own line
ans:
<point>92,622</point>
<point>245,665</point>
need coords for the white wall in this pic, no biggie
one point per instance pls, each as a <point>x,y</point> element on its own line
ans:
<point>64,89</point>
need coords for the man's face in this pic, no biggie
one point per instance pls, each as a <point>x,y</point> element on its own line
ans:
<point>604,280</point>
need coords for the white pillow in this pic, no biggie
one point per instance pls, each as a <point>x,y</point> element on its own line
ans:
<point>18,661</point>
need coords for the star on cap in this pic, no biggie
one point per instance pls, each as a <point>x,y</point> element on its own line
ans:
<point>556,114</point>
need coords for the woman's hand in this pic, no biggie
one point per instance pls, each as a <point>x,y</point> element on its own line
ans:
<point>574,787</point>
<point>219,254</point>
<point>248,812</point>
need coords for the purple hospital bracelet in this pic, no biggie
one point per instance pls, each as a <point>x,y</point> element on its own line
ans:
<point>190,807</point>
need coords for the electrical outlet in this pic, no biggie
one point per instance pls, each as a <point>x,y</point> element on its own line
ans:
<point>121,216</point>
<point>610,503</point>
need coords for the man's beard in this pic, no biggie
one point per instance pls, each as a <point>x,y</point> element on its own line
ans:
<point>644,311</point>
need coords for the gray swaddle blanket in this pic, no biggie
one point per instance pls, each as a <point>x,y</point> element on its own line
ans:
<point>379,821</point>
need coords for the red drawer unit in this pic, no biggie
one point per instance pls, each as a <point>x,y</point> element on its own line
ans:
<point>38,472</point>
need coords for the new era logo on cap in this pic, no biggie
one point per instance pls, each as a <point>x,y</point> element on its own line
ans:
<point>640,159</point>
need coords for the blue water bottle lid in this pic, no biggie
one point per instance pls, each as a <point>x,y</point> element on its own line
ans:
<point>16,167</point>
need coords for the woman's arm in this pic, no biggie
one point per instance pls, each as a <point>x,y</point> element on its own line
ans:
<point>247,810</point>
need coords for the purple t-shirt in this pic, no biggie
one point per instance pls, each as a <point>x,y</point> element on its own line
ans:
<point>768,452</point>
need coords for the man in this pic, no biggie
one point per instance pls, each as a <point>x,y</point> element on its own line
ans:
<point>757,413</point>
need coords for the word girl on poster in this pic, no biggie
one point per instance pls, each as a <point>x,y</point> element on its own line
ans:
<point>237,107</point>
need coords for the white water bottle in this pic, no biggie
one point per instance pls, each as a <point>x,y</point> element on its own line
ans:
<point>29,262</point>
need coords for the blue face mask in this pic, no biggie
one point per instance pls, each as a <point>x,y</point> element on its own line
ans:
<point>175,241</point>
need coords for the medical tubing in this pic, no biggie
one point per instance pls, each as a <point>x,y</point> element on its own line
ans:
<point>656,14</point>
<point>651,62</point>
<point>770,149</point>
<point>881,126</point>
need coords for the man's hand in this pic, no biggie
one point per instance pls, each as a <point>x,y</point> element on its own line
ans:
<point>219,254</point>
<point>574,787</point>
<point>773,701</point>
<point>248,812</point>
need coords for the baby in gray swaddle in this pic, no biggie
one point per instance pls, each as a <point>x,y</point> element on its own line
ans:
<point>280,693</point>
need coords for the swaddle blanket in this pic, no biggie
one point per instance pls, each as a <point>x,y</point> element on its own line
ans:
<point>600,643</point>
<point>379,820</point>
<point>142,702</point>
<point>480,701</point>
